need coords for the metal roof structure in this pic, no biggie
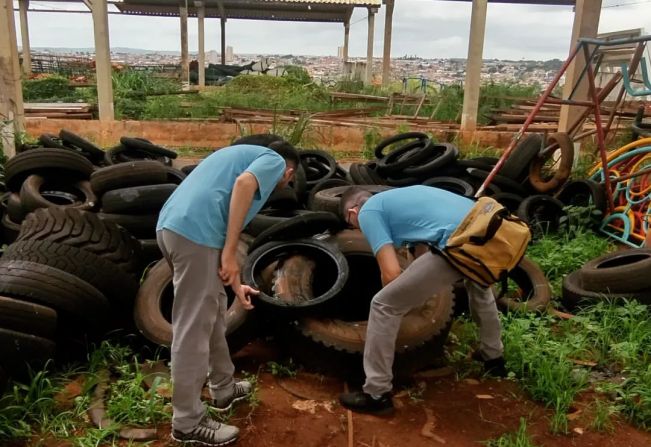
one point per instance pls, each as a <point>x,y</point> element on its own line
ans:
<point>527,2</point>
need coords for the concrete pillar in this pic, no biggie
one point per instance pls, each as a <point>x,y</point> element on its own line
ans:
<point>24,34</point>
<point>386,57</point>
<point>12,115</point>
<point>102,59</point>
<point>586,24</point>
<point>223,39</point>
<point>346,40</point>
<point>473,65</point>
<point>185,60</point>
<point>201,14</point>
<point>369,45</point>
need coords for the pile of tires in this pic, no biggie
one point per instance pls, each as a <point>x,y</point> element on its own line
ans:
<point>619,275</point>
<point>79,223</point>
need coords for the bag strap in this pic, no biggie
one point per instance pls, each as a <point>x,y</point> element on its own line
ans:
<point>492,227</point>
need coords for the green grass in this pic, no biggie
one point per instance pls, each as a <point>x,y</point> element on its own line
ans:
<point>562,253</point>
<point>518,439</point>
<point>546,354</point>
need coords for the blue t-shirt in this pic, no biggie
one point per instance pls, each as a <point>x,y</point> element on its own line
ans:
<point>198,208</point>
<point>414,214</point>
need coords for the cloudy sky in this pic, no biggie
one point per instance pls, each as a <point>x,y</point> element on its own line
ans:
<point>426,28</point>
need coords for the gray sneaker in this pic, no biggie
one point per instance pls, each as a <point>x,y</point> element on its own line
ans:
<point>208,432</point>
<point>223,400</point>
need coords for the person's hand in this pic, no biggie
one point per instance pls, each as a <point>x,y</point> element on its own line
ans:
<point>229,270</point>
<point>244,293</point>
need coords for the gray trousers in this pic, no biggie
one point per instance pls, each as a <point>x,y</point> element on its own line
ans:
<point>199,347</point>
<point>427,275</point>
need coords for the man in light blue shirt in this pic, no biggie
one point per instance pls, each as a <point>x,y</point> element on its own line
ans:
<point>422,217</point>
<point>198,231</point>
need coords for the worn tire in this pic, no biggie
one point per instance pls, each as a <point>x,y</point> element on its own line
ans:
<point>297,227</point>
<point>125,175</point>
<point>575,295</point>
<point>10,229</point>
<point>85,231</point>
<point>141,226</point>
<point>147,146</point>
<point>452,184</point>
<point>45,161</point>
<point>15,207</point>
<point>535,287</point>
<point>95,154</point>
<point>379,149</point>
<point>51,287</point>
<point>267,218</point>
<point>21,352</point>
<point>406,155</point>
<point>516,167</point>
<point>30,318</point>
<point>584,193</point>
<point>152,311</point>
<point>626,271</point>
<point>542,213</point>
<point>566,147</point>
<point>328,199</point>
<point>322,163</point>
<point>505,183</point>
<point>509,200</point>
<point>443,154</point>
<point>41,192</point>
<point>325,184</point>
<point>108,278</point>
<point>137,199</point>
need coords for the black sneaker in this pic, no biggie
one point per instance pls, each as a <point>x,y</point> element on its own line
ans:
<point>208,432</point>
<point>364,403</point>
<point>493,367</point>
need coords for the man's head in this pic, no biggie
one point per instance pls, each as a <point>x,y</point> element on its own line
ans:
<point>351,202</point>
<point>281,147</point>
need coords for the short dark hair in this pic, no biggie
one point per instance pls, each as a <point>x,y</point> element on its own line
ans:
<point>352,197</point>
<point>273,142</point>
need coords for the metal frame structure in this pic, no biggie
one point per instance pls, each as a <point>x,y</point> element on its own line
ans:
<point>588,48</point>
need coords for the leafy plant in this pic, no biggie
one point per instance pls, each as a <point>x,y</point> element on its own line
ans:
<point>280,370</point>
<point>372,137</point>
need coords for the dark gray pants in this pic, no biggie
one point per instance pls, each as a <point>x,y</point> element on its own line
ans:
<point>199,347</point>
<point>428,275</point>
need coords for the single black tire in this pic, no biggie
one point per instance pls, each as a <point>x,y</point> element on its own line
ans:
<point>137,199</point>
<point>329,199</point>
<point>125,175</point>
<point>85,231</point>
<point>622,271</point>
<point>355,174</point>
<point>455,185</point>
<point>146,146</point>
<point>124,154</point>
<point>369,172</point>
<point>95,153</point>
<point>476,163</point>
<point>108,278</point>
<point>21,352</point>
<point>46,162</point>
<point>141,226</point>
<point>404,181</point>
<point>443,154</point>
<point>153,307</point>
<point>407,155</point>
<point>584,193</point>
<point>324,162</point>
<point>505,183</point>
<point>560,176</point>
<point>270,217</point>
<point>175,176</point>
<point>150,251</point>
<point>69,295</point>
<point>283,199</point>
<point>51,141</point>
<point>328,259</point>
<point>510,200</point>
<point>516,166</point>
<point>30,318</point>
<point>575,294</point>
<point>544,214</point>
<point>534,292</point>
<point>297,227</point>
<point>379,149</point>
<point>43,192</point>
<point>325,184</point>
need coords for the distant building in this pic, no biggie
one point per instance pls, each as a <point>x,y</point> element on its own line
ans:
<point>340,52</point>
<point>229,55</point>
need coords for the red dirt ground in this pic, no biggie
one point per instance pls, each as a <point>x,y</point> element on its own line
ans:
<point>303,411</point>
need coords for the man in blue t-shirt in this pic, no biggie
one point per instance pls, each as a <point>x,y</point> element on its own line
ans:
<point>423,218</point>
<point>198,231</point>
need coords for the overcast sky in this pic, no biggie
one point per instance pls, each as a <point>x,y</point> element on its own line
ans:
<point>426,28</point>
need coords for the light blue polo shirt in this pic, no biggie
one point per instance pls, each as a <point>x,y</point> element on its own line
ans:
<point>198,208</point>
<point>414,214</point>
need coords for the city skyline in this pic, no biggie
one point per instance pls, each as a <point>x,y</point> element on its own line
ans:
<point>425,28</point>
